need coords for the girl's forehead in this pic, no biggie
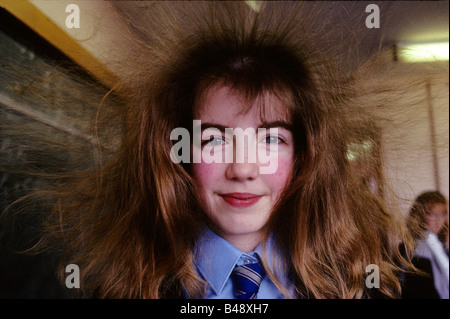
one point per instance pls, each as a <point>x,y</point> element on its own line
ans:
<point>224,102</point>
<point>440,208</point>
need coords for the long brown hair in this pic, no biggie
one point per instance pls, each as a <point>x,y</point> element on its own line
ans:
<point>131,225</point>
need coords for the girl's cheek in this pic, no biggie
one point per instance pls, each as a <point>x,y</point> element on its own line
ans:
<point>283,173</point>
<point>205,173</point>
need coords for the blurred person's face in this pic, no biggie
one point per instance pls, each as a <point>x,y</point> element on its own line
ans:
<point>238,197</point>
<point>437,217</point>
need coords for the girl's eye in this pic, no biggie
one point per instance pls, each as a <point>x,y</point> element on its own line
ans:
<point>214,140</point>
<point>272,139</point>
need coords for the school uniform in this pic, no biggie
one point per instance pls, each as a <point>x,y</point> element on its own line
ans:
<point>432,249</point>
<point>216,258</point>
<point>431,258</point>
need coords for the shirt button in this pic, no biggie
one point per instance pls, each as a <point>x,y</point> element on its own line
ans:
<point>247,261</point>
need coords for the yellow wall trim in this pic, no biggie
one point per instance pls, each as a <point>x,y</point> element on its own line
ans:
<point>42,25</point>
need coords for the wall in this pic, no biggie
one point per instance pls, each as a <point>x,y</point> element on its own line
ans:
<point>412,101</point>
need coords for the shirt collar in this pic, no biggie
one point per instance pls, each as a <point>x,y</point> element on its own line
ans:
<point>216,258</point>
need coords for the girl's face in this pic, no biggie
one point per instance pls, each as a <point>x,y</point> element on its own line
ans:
<point>238,194</point>
<point>437,217</point>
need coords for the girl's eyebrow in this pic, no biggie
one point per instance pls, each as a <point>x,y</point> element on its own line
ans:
<point>281,124</point>
<point>266,125</point>
<point>207,125</point>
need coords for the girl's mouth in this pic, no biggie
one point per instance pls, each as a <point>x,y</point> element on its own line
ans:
<point>240,200</point>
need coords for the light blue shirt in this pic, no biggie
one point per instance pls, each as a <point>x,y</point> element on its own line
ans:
<point>432,249</point>
<point>216,259</point>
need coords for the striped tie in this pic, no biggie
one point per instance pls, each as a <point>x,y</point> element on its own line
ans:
<point>247,279</point>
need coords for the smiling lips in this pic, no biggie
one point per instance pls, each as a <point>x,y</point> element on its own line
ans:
<point>241,200</point>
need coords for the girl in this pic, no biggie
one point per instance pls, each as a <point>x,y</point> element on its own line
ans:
<point>146,225</point>
<point>428,221</point>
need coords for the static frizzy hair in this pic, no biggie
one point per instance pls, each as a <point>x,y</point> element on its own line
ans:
<point>132,224</point>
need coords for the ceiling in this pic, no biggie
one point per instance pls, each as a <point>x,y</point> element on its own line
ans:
<point>400,21</point>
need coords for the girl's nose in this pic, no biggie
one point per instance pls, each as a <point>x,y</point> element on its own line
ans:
<point>242,171</point>
<point>245,165</point>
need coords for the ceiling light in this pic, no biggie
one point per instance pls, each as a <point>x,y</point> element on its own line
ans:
<point>255,5</point>
<point>422,52</point>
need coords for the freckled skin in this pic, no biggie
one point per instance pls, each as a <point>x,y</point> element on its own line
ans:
<point>241,226</point>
